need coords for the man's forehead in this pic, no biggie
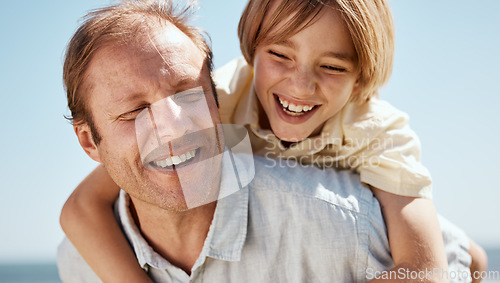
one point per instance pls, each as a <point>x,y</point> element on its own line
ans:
<point>167,41</point>
<point>163,59</point>
<point>165,49</point>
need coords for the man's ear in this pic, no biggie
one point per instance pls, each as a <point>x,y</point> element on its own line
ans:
<point>87,142</point>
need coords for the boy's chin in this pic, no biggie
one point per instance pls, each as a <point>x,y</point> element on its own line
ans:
<point>289,136</point>
<point>295,133</point>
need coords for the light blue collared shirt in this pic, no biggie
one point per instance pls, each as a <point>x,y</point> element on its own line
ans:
<point>290,224</point>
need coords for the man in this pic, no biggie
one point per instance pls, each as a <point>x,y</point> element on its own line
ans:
<point>287,225</point>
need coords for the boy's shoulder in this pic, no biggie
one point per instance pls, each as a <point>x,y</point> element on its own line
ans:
<point>233,78</point>
<point>233,83</point>
<point>374,110</point>
<point>371,118</point>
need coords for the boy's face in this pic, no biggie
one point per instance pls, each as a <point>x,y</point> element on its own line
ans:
<point>307,78</point>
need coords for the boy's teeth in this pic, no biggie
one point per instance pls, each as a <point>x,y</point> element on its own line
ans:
<point>293,107</point>
<point>175,160</point>
<point>284,103</point>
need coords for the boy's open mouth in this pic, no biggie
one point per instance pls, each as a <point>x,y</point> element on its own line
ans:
<point>293,109</point>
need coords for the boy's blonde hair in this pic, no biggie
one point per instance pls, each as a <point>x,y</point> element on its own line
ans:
<point>369,22</point>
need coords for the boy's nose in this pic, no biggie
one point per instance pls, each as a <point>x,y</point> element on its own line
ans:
<point>170,119</point>
<point>303,82</point>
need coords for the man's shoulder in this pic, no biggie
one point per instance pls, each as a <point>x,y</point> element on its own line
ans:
<point>341,188</point>
<point>72,267</point>
<point>290,203</point>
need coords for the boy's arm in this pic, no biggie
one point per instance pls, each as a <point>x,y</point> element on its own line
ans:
<point>415,237</point>
<point>89,222</point>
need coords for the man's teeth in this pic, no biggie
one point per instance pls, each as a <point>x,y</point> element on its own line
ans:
<point>176,159</point>
<point>294,107</point>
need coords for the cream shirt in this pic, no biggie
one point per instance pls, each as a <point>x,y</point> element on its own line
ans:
<point>373,138</point>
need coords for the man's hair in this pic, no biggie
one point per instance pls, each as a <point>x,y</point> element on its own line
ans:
<point>369,22</point>
<point>122,23</point>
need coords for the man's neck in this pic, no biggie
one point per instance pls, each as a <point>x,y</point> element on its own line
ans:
<point>177,236</point>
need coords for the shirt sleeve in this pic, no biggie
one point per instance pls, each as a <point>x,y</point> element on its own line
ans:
<point>374,244</point>
<point>72,267</point>
<point>380,145</point>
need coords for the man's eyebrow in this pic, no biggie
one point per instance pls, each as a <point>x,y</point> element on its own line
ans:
<point>128,97</point>
<point>190,82</point>
<point>187,82</point>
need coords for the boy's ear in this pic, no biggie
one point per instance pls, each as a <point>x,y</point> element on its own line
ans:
<point>86,141</point>
<point>355,88</point>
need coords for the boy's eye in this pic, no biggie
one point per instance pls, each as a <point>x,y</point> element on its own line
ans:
<point>279,55</point>
<point>333,68</point>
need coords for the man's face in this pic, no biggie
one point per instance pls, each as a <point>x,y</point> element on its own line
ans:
<point>153,106</point>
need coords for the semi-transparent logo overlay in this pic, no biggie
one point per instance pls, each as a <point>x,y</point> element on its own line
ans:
<point>182,141</point>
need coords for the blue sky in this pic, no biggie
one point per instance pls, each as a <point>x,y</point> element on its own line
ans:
<point>445,76</point>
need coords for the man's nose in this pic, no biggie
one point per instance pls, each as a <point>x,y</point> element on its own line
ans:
<point>303,82</point>
<point>170,119</point>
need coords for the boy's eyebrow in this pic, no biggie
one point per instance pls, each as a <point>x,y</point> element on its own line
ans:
<point>286,43</point>
<point>338,55</point>
<point>341,56</point>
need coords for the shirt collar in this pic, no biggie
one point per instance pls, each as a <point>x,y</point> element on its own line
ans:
<point>229,227</point>
<point>143,251</point>
<point>228,231</point>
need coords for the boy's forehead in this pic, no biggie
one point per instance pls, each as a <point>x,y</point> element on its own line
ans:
<point>285,18</point>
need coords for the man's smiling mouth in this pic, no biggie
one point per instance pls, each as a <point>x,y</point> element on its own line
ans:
<point>293,109</point>
<point>176,161</point>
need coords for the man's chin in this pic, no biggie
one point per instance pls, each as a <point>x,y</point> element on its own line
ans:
<point>186,187</point>
<point>178,203</point>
